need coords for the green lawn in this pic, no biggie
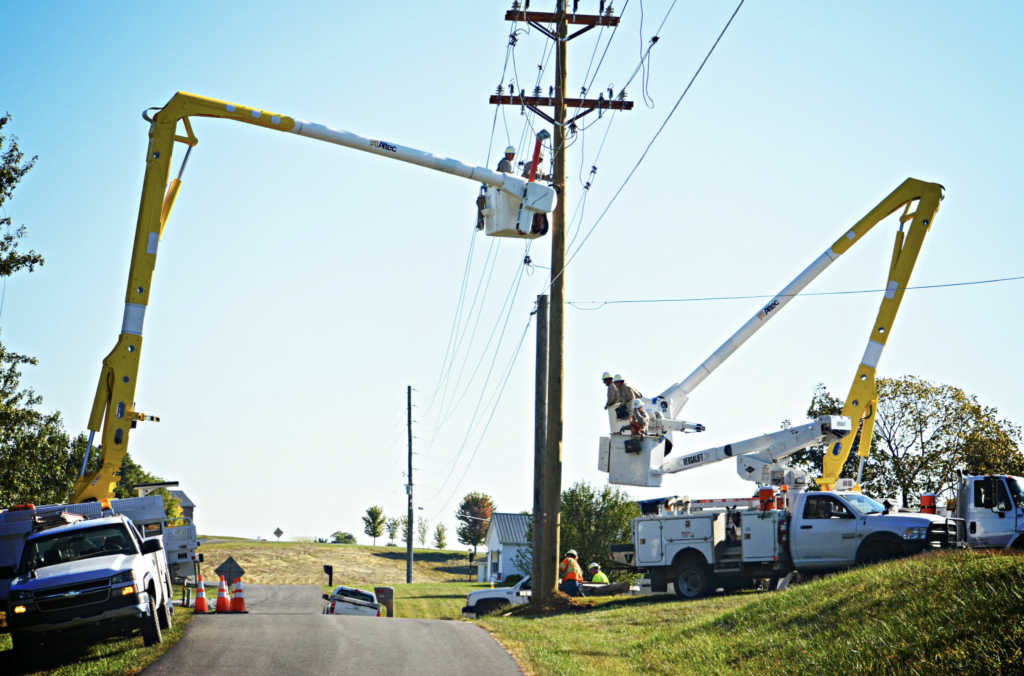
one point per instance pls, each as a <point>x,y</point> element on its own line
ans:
<point>427,600</point>
<point>934,614</point>
<point>122,656</point>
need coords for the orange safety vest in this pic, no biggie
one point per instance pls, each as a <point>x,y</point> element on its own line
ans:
<point>570,569</point>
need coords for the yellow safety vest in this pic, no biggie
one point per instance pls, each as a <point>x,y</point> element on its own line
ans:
<point>600,578</point>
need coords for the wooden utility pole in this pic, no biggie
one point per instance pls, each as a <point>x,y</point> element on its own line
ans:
<point>540,417</point>
<point>547,550</point>
<point>408,489</point>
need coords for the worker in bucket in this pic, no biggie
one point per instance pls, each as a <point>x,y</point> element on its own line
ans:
<point>571,574</point>
<point>626,395</point>
<point>613,393</point>
<point>637,419</point>
<point>505,166</point>
<point>596,576</point>
<point>540,165</point>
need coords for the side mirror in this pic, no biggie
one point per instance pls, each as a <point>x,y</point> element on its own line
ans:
<point>8,572</point>
<point>326,597</point>
<point>849,515</point>
<point>152,545</point>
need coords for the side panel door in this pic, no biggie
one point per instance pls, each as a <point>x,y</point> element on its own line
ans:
<point>825,533</point>
<point>985,527</point>
<point>649,548</point>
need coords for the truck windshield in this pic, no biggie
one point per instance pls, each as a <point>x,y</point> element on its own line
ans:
<point>84,543</point>
<point>864,504</point>
<point>1016,490</point>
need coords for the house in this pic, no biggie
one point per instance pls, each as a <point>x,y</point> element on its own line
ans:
<point>187,506</point>
<point>506,535</point>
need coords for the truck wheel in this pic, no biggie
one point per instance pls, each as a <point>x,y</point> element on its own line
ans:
<point>151,626</point>
<point>22,650</point>
<point>878,551</point>
<point>488,607</point>
<point>693,581</point>
<point>163,614</point>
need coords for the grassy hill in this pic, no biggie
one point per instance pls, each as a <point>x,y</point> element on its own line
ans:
<point>934,614</point>
<point>302,563</point>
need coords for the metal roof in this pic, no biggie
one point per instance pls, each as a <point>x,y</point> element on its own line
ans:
<point>185,500</point>
<point>511,527</point>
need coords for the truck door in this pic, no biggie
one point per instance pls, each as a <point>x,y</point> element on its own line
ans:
<point>991,520</point>
<point>648,542</point>
<point>824,534</point>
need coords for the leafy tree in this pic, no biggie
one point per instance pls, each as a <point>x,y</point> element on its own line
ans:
<point>374,522</point>
<point>422,530</point>
<point>811,459</point>
<point>404,520</point>
<point>440,536</point>
<point>391,526</point>
<point>474,515</point>
<point>343,538</point>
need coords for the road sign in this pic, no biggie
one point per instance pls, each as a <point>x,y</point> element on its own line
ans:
<point>229,570</point>
<point>278,533</point>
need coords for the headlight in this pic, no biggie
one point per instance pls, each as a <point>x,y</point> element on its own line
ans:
<point>18,610</point>
<point>127,576</point>
<point>916,533</point>
<point>20,595</point>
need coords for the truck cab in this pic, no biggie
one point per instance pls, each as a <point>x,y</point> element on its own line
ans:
<point>993,509</point>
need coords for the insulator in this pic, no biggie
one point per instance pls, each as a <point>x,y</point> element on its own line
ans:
<point>551,90</point>
<point>501,90</point>
<point>515,4</point>
<point>536,91</point>
<point>527,261</point>
<point>622,95</point>
<point>610,94</point>
<point>602,7</point>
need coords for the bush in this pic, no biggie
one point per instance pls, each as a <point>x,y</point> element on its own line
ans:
<point>511,580</point>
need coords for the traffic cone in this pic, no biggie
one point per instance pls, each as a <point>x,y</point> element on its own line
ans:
<point>238,601</point>
<point>200,604</point>
<point>223,602</point>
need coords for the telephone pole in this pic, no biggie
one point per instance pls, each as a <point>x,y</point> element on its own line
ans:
<point>540,417</point>
<point>408,489</point>
<point>548,549</point>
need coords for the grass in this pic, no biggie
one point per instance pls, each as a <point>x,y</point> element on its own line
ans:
<point>428,600</point>
<point>358,565</point>
<point>121,656</point>
<point>957,613</point>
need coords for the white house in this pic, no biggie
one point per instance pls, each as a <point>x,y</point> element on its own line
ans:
<point>506,535</point>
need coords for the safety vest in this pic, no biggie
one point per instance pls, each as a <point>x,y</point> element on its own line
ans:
<point>600,578</point>
<point>570,569</point>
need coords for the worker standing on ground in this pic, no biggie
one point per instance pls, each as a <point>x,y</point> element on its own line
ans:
<point>571,575</point>
<point>596,576</point>
<point>613,393</point>
<point>505,166</point>
<point>626,395</point>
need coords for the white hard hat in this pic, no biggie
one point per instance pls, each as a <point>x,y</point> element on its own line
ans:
<point>637,404</point>
<point>571,552</point>
<point>605,375</point>
<point>593,565</point>
<point>618,378</point>
<point>510,149</point>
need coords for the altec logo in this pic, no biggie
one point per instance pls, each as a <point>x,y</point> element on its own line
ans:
<point>693,459</point>
<point>383,145</point>
<point>768,308</point>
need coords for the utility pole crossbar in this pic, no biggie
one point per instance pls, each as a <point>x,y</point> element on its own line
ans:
<point>535,19</point>
<point>589,105</point>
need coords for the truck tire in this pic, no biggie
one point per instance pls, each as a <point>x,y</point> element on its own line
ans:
<point>877,551</point>
<point>163,614</point>
<point>151,634</point>
<point>23,653</point>
<point>693,581</point>
<point>489,606</point>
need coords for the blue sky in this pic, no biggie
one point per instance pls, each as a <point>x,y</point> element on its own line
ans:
<point>300,287</point>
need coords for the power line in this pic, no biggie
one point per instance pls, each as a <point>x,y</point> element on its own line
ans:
<point>602,303</point>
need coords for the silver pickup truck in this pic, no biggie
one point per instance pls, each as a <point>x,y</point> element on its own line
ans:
<point>77,574</point>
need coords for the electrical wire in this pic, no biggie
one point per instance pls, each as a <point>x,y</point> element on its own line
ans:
<point>601,304</point>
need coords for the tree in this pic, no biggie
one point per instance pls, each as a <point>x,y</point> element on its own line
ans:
<point>391,526</point>
<point>422,530</point>
<point>374,522</point>
<point>474,515</point>
<point>440,536</point>
<point>343,538</point>
<point>404,520</point>
<point>811,459</point>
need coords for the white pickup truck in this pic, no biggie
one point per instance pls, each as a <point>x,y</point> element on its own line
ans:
<point>79,573</point>
<point>352,601</point>
<point>700,551</point>
<point>483,601</point>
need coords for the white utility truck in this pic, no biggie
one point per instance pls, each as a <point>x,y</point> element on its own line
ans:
<point>483,601</point>
<point>992,507</point>
<point>704,545</point>
<point>352,601</point>
<point>76,573</point>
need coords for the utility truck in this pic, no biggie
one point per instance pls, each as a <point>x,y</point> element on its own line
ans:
<point>352,601</point>
<point>75,573</point>
<point>992,508</point>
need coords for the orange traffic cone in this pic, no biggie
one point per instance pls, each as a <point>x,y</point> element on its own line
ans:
<point>200,605</point>
<point>238,600</point>
<point>223,602</point>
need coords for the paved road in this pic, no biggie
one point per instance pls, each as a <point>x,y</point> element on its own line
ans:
<point>286,634</point>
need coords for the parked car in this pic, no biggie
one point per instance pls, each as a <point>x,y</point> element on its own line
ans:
<point>79,573</point>
<point>483,601</point>
<point>352,601</point>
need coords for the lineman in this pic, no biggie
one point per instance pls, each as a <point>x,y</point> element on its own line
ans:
<point>505,166</point>
<point>596,576</point>
<point>613,394</point>
<point>626,395</point>
<point>540,165</point>
<point>571,574</point>
<point>637,419</point>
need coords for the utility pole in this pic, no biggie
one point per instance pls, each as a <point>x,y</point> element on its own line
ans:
<point>408,489</point>
<point>540,417</point>
<point>548,550</point>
